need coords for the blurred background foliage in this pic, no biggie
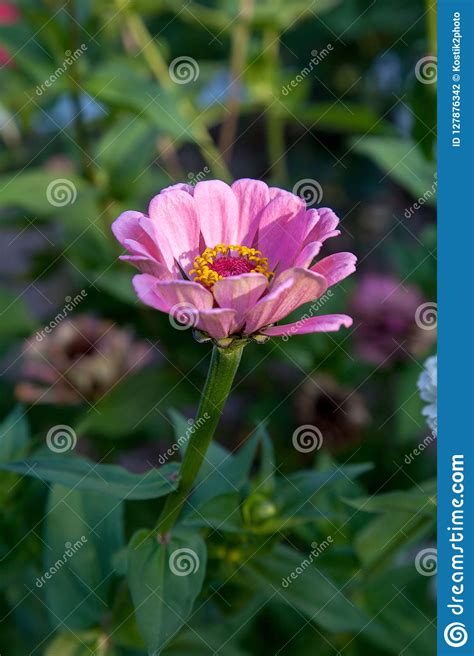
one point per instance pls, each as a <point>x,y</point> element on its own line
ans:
<point>114,127</point>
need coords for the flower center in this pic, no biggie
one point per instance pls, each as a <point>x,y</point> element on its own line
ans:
<point>225,260</point>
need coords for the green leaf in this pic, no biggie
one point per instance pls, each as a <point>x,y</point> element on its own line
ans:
<point>420,500</point>
<point>385,535</point>
<point>203,641</point>
<point>118,84</point>
<point>14,435</point>
<point>222,513</point>
<point>82,532</point>
<point>125,151</point>
<point>264,480</point>
<point>216,454</point>
<point>310,591</point>
<point>34,189</point>
<point>15,319</point>
<point>117,283</point>
<point>14,439</point>
<point>392,596</point>
<point>331,117</point>
<point>406,516</point>
<point>110,480</point>
<point>402,160</point>
<point>114,416</point>
<point>229,475</point>
<point>180,427</point>
<point>70,644</point>
<point>164,581</point>
<point>298,492</point>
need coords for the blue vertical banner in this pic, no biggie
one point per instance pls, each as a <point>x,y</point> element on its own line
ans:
<point>456,327</point>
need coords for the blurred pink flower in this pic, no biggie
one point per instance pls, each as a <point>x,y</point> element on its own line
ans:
<point>385,311</point>
<point>81,360</point>
<point>9,15</point>
<point>233,260</point>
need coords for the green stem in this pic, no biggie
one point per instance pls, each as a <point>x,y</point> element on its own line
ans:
<point>157,65</point>
<point>275,124</point>
<point>222,370</point>
<point>82,136</point>
<point>238,59</point>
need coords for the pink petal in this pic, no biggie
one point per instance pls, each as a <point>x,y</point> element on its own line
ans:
<point>307,255</point>
<point>175,225</point>
<point>132,230</point>
<point>181,186</point>
<point>336,267</point>
<point>172,296</point>
<point>252,197</point>
<point>292,288</point>
<point>276,192</point>
<point>325,323</point>
<point>324,227</point>
<point>143,247</point>
<point>279,236</point>
<point>218,212</point>
<point>129,227</point>
<point>217,323</point>
<point>146,265</point>
<point>312,219</point>
<point>241,292</point>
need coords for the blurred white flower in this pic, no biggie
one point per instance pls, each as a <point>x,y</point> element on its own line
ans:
<point>428,386</point>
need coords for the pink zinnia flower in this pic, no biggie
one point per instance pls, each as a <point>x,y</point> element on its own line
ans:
<point>233,260</point>
<point>385,309</point>
<point>82,359</point>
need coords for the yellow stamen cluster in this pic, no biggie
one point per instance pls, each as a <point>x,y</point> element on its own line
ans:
<point>207,276</point>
